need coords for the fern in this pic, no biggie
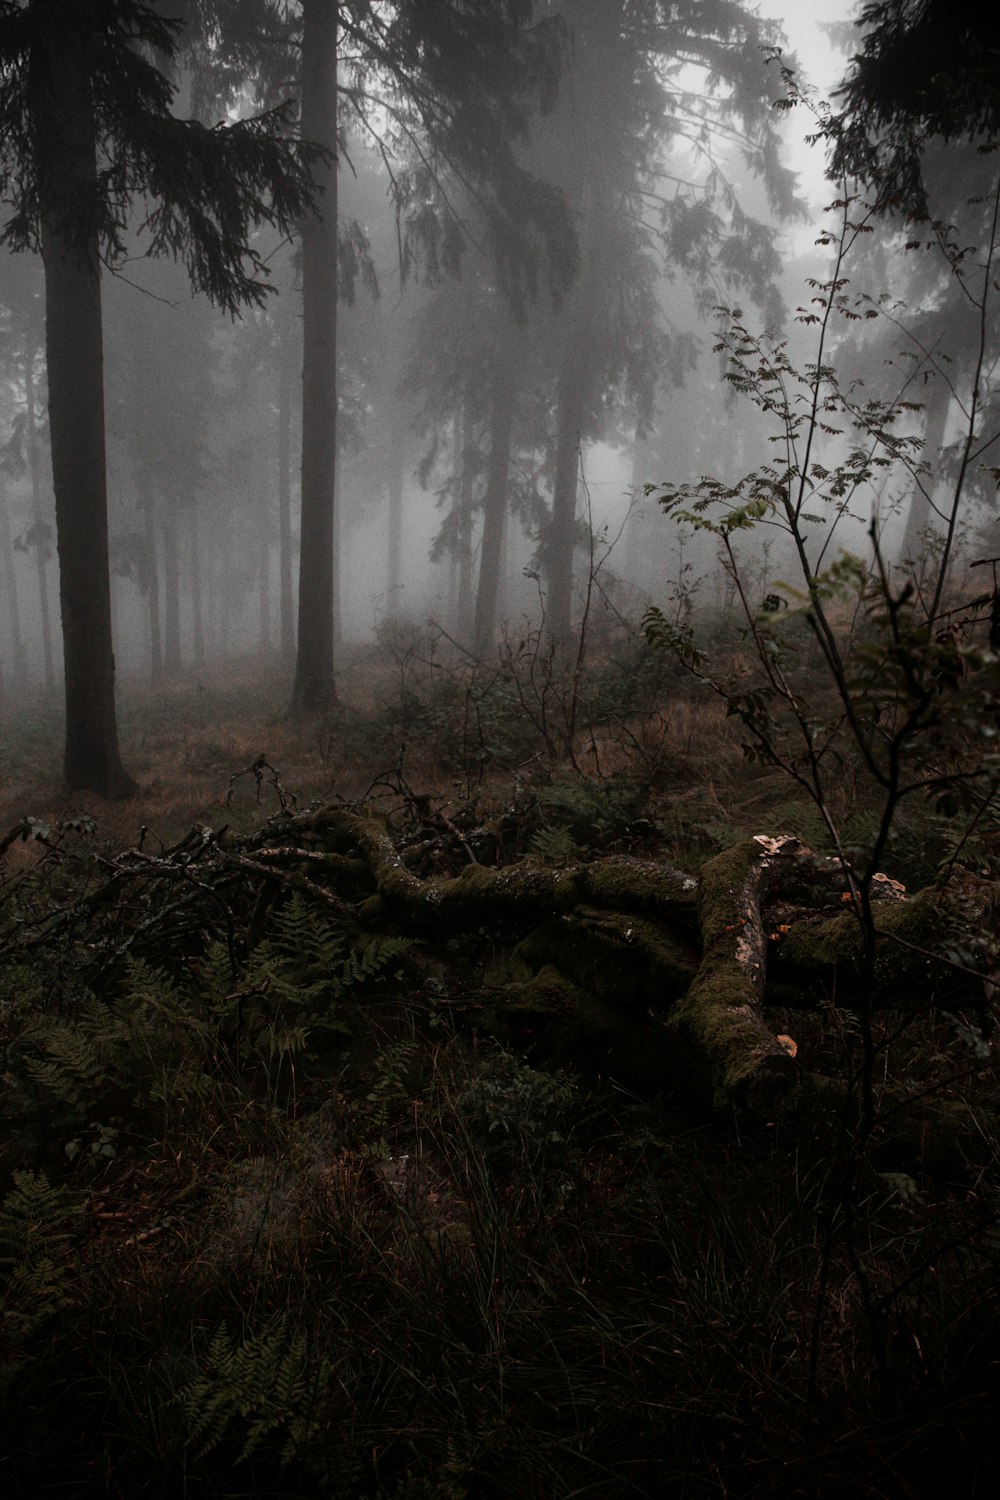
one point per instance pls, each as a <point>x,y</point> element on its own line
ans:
<point>150,1045</point>
<point>370,962</point>
<point>303,968</point>
<point>395,1065</point>
<point>554,846</point>
<point>35,1272</point>
<point>75,1064</point>
<point>261,1385</point>
<point>592,814</point>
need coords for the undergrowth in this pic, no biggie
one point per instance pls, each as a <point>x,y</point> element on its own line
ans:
<point>280,1218</point>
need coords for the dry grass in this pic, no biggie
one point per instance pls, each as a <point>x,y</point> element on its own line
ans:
<point>183,740</point>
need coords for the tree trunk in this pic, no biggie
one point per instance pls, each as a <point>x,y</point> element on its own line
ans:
<point>639,537</point>
<point>920,517</point>
<point>338,571</point>
<point>264,586</point>
<point>41,561</point>
<point>463,623</point>
<point>395,496</point>
<point>314,672</point>
<point>194,569</point>
<point>152,581</point>
<point>75,358</point>
<point>171,589</point>
<point>562,532</point>
<point>20,661</point>
<point>494,506</point>
<point>285,489</point>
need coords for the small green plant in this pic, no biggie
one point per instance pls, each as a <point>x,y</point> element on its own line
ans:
<point>262,1386</point>
<point>850,672</point>
<point>515,1111</point>
<point>37,1272</point>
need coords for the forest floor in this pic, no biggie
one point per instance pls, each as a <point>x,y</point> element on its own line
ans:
<point>322,1178</point>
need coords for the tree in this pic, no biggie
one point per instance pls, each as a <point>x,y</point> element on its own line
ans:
<point>925,346</point>
<point>918,127</point>
<point>455,83</point>
<point>314,682</point>
<point>927,68</point>
<point>441,88</point>
<point>158,340</point>
<point>639,154</point>
<point>87,129</point>
<point>24,358</point>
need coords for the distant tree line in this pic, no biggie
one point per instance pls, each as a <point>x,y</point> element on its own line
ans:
<point>556,194</point>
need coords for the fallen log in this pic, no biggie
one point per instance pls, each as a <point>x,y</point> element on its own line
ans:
<point>616,930</point>
<point>620,965</point>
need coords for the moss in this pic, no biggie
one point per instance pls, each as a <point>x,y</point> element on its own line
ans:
<point>631,886</point>
<point>719,1016</point>
<point>631,961</point>
<point>722,888</point>
<point>828,945</point>
<point>511,891</point>
<point>518,893</point>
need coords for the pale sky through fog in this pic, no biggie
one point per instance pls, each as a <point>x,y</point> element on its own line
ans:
<point>802,19</point>
<point>823,66</point>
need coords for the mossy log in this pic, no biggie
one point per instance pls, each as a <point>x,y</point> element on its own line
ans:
<point>719,1017</point>
<point>652,974</point>
<point>507,892</point>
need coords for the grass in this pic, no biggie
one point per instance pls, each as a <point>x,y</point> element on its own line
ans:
<point>295,1228</point>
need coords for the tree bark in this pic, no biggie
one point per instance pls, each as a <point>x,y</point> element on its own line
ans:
<point>338,571</point>
<point>395,497</point>
<point>920,517</point>
<point>20,661</point>
<point>152,580</point>
<point>264,583</point>
<point>495,504</point>
<point>314,673</point>
<point>75,359</point>
<point>171,587</point>
<point>463,623</point>
<point>285,487</point>
<point>562,532</point>
<point>41,561</point>
<point>194,570</point>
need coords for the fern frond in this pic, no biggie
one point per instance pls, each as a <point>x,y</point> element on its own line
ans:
<point>554,846</point>
<point>370,961</point>
<point>74,1064</point>
<point>36,1275</point>
<point>260,1384</point>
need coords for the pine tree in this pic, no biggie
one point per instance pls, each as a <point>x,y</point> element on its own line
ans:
<point>639,153</point>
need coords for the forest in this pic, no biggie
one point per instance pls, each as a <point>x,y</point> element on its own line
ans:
<point>499,749</point>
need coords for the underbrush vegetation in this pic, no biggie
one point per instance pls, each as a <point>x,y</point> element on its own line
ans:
<point>290,1207</point>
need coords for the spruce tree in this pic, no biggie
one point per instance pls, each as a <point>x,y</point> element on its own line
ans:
<point>86,136</point>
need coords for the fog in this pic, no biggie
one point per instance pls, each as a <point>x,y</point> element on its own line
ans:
<point>587,325</point>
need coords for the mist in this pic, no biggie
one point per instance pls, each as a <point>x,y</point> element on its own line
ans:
<point>526,361</point>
